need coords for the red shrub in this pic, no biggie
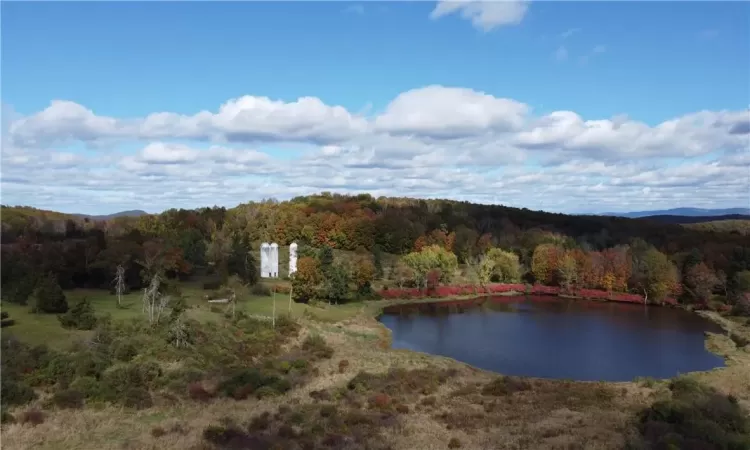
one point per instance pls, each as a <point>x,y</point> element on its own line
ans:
<point>196,391</point>
<point>380,401</point>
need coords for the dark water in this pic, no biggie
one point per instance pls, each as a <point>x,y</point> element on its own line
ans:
<point>551,337</point>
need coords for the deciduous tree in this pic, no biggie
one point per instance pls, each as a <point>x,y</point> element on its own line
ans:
<point>700,282</point>
<point>306,279</point>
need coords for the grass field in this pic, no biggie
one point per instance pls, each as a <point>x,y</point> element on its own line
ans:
<point>46,329</point>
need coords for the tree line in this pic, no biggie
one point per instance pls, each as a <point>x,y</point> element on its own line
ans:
<point>432,238</point>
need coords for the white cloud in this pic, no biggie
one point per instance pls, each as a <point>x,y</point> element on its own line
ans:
<point>484,15</point>
<point>440,112</point>
<point>429,142</point>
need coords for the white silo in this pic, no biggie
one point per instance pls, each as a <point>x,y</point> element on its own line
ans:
<point>274,260</point>
<point>292,258</point>
<point>265,263</point>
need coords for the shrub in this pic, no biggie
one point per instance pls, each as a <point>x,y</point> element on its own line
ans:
<point>504,385</point>
<point>380,401</point>
<point>49,297</point>
<point>247,381</point>
<point>429,401</point>
<point>316,345</point>
<point>265,391</point>
<point>696,416</point>
<point>68,398</point>
<point>124,350</point>
<point>5,321</point>
<point>80,317</point>
<point>88,386</point>
<point>196,391</point>
<point>59,368</point>
<point>32,417</point>
<point>454,443</point>
<point>15,392</point>
<point>137,398</point>
<point>260,290</point>
<point>90,364</point>
<point>299,364</point>
<point>6,417</point>
<point>127,384</point>
<point>343,364</point>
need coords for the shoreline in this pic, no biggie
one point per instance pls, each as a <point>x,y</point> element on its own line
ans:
<point>501,289</point>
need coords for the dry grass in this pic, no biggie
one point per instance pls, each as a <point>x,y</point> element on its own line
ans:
<point>429,402</point>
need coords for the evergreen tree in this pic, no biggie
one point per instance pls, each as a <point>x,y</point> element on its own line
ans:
<point>80,317</point>
<point>49,297</point>
<point>337,284</point>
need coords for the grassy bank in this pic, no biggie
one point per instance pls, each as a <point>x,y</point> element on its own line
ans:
<point>355,391</point>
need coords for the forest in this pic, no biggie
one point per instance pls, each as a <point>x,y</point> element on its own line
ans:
<point>392,243</point>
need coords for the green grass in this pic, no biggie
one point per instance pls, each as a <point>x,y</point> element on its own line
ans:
<point>46,329</point>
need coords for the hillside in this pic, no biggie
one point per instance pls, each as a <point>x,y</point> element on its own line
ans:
<point>131,213</point>
<point>738,226</point>
<point>695,219</point>
<point>685,212</point>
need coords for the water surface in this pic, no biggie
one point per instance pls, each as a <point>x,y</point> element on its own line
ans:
<point>551,337</point>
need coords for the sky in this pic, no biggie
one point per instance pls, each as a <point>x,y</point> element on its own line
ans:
<point>573,107</point>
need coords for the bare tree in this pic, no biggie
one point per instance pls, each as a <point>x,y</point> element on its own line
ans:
<point>273,314</point>
<point>119,284</point>
<point>153,301</point>
<point>291,289</point>
<point>238,289</point>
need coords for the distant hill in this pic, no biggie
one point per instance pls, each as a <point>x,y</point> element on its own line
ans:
<point>687,220</point>
<point>684,212</point>
<point>131,213</point>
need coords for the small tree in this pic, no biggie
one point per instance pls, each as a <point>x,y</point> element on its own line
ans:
<point>238,289</point>
<point>49,297</point>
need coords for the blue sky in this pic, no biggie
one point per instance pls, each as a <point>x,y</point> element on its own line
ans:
<point>635,65</point>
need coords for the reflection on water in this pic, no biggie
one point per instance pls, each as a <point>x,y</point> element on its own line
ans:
<point>552,337</point>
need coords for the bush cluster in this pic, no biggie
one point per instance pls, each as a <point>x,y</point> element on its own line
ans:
<point>80,317</point>
<point>696,416</point>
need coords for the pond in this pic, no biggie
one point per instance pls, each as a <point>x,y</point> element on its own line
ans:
<point>551,337</point>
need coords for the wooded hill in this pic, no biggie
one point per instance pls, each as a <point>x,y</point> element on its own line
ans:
<point>181,243</point>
